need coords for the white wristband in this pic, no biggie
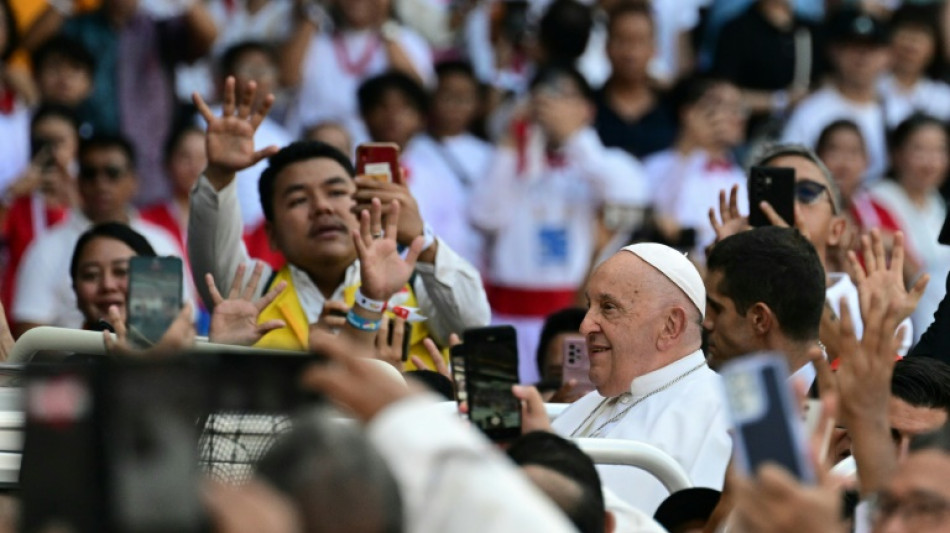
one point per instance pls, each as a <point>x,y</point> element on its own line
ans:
<point>375,306</point>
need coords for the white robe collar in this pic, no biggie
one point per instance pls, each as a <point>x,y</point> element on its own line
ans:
<point>647,383</point>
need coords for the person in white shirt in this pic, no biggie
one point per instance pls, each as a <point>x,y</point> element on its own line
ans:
<point>107,183</point>
<point>643,329</point>
<point>540,202</point>
<point>914,81</point>
<point>445,163</point>
<point>686,179</point>
<point>858,54</point>
<point>327,65</point>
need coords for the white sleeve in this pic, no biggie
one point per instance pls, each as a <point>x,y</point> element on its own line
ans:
<point>617,177</point>
<point>215,242</point>
<point>453,479</point>
<point>451,294</point>
<point>35,292</point>
<point>420,54</point>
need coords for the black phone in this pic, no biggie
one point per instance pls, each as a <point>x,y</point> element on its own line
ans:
<point>491,368</point>
<point>944,237</point>
<point>775,185</point>
<point>155,290</point>
<point>768,427</point>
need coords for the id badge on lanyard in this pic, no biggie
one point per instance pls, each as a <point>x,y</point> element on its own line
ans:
<point>552,246</point>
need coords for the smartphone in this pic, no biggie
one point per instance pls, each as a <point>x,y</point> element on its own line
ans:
<point>768,426</point>
<point>576,363</point>
<point>775,185</point>
<point>491,368</point>
<point>155,289</point>
<point>379,161</point>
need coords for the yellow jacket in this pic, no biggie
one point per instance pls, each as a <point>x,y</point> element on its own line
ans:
<point>296,335</point>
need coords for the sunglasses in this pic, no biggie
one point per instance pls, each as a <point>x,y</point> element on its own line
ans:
<point>809,192</point>
<point>111,172</point>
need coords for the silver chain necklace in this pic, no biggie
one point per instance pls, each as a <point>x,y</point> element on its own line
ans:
<point>616,417</point>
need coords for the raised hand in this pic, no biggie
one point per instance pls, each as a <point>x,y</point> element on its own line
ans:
<point>180,335</point>
<point>729,222</point>
<point>230,138</point>
<point>409,225</point>
<point>382,271</point>
<point>876,277</point>
<point>234,321</point>
<point>436,357</point>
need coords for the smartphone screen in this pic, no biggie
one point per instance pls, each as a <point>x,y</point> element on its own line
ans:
<point>457,359</point>
<point>491,368</point>
<point>379,161</point>
<point>576,363</point>
<point>155,285</point>
<point>768,426</point>
<point>775,185</point>
<point>944,237</point>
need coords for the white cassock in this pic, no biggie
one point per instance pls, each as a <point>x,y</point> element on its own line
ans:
<point>679,408</point>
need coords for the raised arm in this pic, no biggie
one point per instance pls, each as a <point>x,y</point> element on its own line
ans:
<point>214,220</point>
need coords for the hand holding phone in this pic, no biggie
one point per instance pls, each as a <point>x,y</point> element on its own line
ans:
<point>491,368</point>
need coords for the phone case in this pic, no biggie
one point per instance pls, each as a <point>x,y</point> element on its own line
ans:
<point>378,161</point>
<point>775,185</point>
<point>576,363</point>
<point>768,427</point>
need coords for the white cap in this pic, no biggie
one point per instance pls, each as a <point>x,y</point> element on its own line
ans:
<point>676,267</point>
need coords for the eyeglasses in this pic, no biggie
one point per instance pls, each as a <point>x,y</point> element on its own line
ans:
<point>924,510</point>
<point>809,192</point>
<point>112,172</point>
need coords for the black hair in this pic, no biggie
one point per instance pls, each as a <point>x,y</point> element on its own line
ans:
<point>778,267</point>
<point>925,17</point>
<point>10,28</point>
<point>102,141</point>
<point>232,55</point>
<point>839,125</point>
<point>70,49</point>
<point>179,131</point>
<point>290,154</point>
<point>550,73</point>
<point>55,111</point>
<point>372,91</point>
<point>547,450</point>
<point>564,321</point>
<point>334,477</point>
<point>630,7</point>
<point>564,31</point>
<point>110,230</point>
<point>456,66</point>
<point>922,382</point>
<point>692,89</point>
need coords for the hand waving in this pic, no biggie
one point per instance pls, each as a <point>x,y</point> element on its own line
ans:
<point>876,277</point>
<point>230,137</point>
<point>382,271</point>
<point>234,321</point>
<point>731,221</point>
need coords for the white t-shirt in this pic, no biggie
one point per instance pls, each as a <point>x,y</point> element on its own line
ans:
<point>685,187</point>
<point>441,177</point>
<point>15,147</point>
<point>44,291</point>
<point>927,96</point>
<point>828,105</point>
<point>335,66</point>
<point>921,227</point>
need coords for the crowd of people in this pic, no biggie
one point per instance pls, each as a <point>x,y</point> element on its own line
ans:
<point>568,167</point>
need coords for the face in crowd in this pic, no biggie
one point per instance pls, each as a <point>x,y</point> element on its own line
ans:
<point>101,279</point>
<point>107,183</point>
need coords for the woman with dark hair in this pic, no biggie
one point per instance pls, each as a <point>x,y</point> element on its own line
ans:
<point>920,154</point>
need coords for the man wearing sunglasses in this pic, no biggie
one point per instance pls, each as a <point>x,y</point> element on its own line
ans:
<point>107,183</point>
<point>818,217</point>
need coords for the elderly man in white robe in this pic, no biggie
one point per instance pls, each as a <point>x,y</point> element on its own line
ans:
<point>643,329</point>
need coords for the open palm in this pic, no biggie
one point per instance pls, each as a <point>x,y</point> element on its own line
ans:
<point>382,271</point>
